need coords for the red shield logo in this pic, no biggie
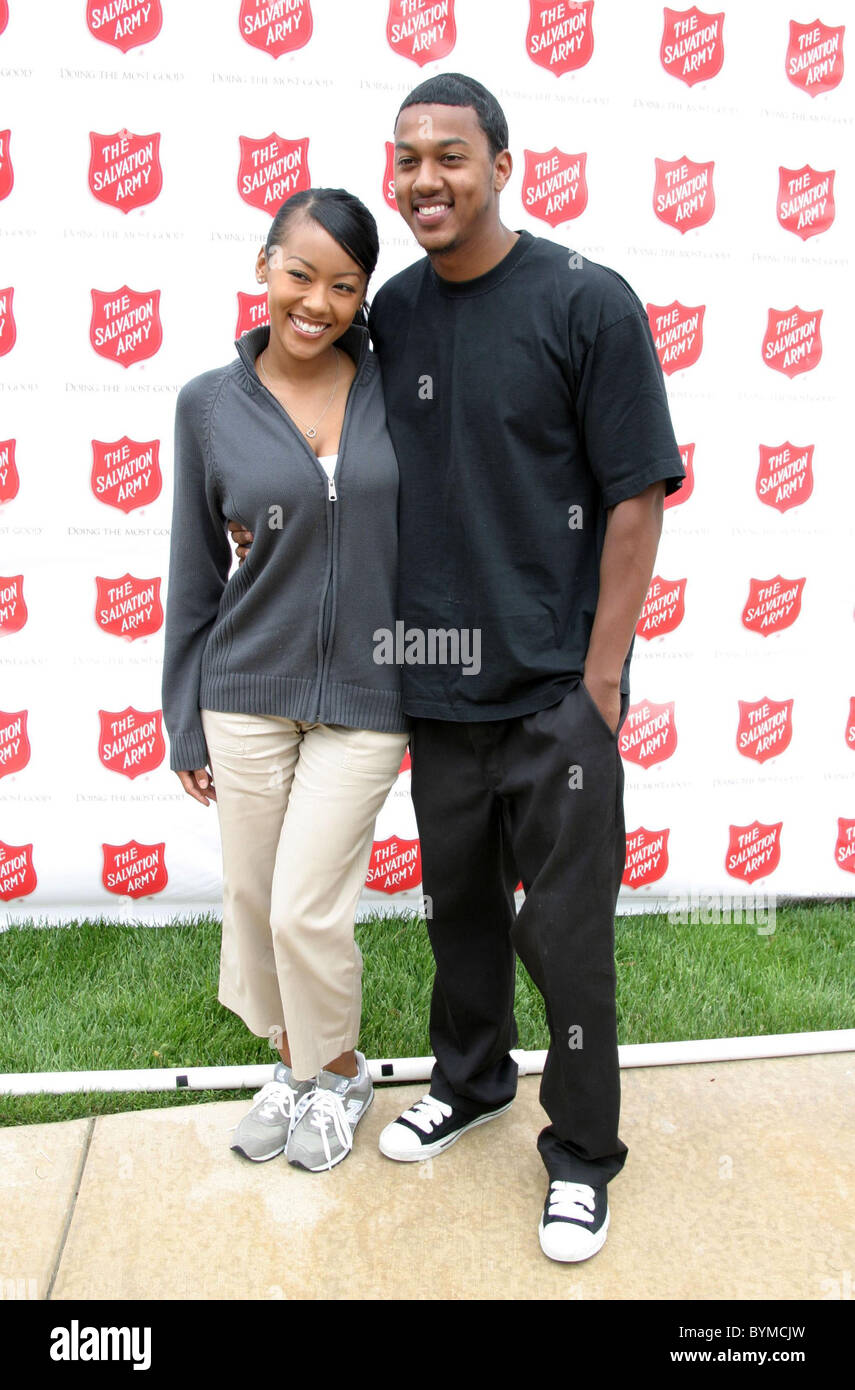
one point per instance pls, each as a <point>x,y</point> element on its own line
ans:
<point>554,185</point>
<point>765,728</point>
<point>687,456</point>
<point>7,174</point>
<point>844,850</point>
<point>649,733</point>
<point>14,743</point>
<point>683,196</point>
<point>126,472</point>
<point>754,850</point>
<point>124,169</point>
<point>646,857</point>
<point>124,23</point>
<point>792,343</point>
<point>128,607</point>
<point>134,870</point>
<point>692,46</point>
<point>678,332</point>
<point>8,331</point>
<point>423,30</point>
<point>17,873</point>
<point>560,37</point>
<point>131,740</point>
<point>9,480</point>
<point>276,26</point>
<point>406,763</point>
<point>815,57</point>
<point>664,607</point>
<point>4,15</point>
<point>13,609</point>
<point>395,865</point>
<point>850,727</point>
<point>271,169</point>
<point>772,604</point>
<point>253,310</point>
<point>805,200</point>
<point>125,325</point>
<point>389,177</point>
<point>785,475</point>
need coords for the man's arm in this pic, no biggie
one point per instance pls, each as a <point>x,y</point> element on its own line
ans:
<point>633,528</point>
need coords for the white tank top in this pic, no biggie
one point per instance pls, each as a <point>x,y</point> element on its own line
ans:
<point>328,462</point>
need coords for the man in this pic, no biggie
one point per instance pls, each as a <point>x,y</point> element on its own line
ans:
<point>528,412</point>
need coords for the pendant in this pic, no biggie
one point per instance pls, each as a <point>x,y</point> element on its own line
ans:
<point>311,433</point>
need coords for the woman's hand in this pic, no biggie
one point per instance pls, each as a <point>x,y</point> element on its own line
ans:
<point>198,784</point>
<point>242,539</point>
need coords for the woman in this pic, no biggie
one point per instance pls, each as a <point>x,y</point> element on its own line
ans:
<point>269,676</point>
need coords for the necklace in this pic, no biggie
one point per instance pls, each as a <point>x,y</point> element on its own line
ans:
<point>312,430</point>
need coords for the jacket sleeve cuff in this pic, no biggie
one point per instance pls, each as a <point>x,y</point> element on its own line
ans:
<point>187,752</point>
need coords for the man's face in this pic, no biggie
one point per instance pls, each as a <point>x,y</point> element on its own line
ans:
<point>446,182</point>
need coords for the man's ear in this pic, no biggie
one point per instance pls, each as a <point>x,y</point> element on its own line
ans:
<point>502,169</point>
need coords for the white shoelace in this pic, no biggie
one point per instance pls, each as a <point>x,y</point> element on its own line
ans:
<point>427,1112</point>
<point>275,1098</point>
<point>573,1199</point>
<point>325,1106</point>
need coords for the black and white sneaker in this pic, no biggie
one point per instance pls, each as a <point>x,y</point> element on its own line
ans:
<point>575,1220</point>
<point>429,1128</point>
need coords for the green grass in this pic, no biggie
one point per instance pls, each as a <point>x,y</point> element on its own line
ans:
<point>93,995</point>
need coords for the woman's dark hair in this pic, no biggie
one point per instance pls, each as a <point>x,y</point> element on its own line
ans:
<point>347,220</point>
<point>455,89</point>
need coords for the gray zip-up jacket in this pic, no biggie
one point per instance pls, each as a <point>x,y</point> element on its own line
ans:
<point>291,632</point>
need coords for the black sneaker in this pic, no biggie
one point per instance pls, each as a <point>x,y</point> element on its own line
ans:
<point>575,1220</point>
<point>429,1128</point>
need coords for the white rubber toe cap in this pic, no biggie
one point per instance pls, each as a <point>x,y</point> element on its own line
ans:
<point>397,1141</point>
<point>565,1241</point>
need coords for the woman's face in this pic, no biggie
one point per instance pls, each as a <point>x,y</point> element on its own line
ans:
<point>314,289</point>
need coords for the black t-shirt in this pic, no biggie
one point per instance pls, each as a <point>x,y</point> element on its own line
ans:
<point>521,404</point>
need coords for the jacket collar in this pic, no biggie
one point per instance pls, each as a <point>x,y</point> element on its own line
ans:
<point>250,344</point>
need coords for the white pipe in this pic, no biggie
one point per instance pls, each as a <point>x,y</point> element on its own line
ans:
<point>409,1069</point>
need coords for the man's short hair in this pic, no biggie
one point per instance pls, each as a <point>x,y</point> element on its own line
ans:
<point>455,89</point>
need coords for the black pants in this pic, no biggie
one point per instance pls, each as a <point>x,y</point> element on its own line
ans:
<point>537,798</point>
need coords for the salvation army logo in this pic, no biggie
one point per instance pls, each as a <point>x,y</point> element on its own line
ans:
<point>406,763</point>
<point>815,56</point>
<point>772,604</point>
<point>389,177</point>
<point>664,607</point>
<point>271,169</point>
<point>126,472</point>
<point>131,740</point>
<point>785,475</point>
<point>133,869</point>
<point>13,609</point>
<point>792,342</point>
<point>4,15</point>
<point>7,174</point>
<point>17,872</point>
<point>560,37</point>
<point>850,725</point>
<point>276,26</point>
<point>765,728</point>
<point>683,195</point>
<point>692,46</point>
<point>805,200</point>
<point>395,865</point>
<point>422,30</point>
<point>9,480</point>
<point>253,311</point>
<point>125,325</point>
<point>124,169</point>
<point>753,850</point>
<point>646,857</point>
<point>128,607</point>
<point>124,23</point>
<point>649,733</point>
<point>8,331</point>
<point>554,185</point>
<point>687,458</point>
<point>678,332</point>
<point>14,742</point>
<point>844,850</point>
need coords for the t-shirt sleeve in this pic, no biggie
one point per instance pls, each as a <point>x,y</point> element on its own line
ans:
<point>199,563</point>
<point>623,412</point>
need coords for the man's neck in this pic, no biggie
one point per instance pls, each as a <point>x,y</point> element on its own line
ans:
<point>476,257</point>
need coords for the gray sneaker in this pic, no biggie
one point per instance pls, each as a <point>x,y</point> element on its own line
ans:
<point>263,1133</point>
<point>322,1133</point>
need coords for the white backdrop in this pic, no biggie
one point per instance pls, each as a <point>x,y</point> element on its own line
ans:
<point>133,181</point>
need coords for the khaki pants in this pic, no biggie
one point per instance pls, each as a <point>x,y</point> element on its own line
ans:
<point>297,804</point>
